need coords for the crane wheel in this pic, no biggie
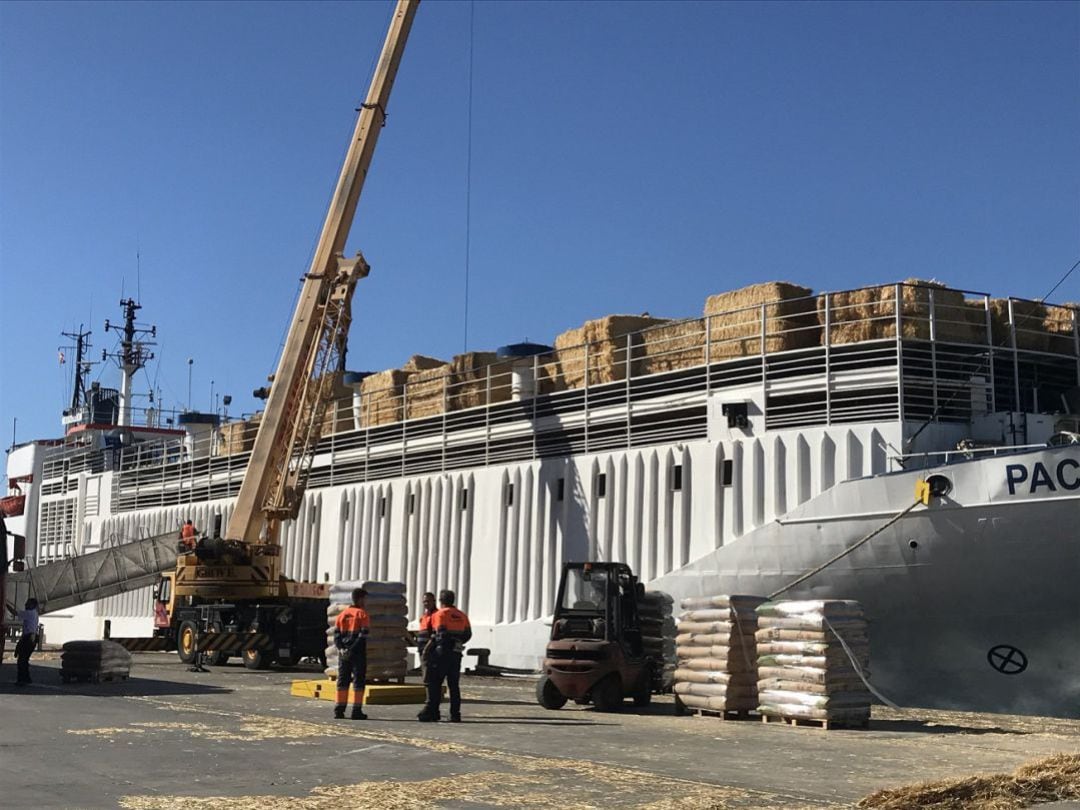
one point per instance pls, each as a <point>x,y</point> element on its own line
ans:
<point>217,658</point>
<point>548,694</point>
<point>256,659</point>
<point>186,642</point>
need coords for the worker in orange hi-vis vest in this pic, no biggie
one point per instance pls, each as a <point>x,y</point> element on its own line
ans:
<point>350,637</point>
<point>187,535</point>
<point>423,635</point>
<point>451,631</point>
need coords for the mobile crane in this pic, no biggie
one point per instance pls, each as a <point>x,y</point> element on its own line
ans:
<point>229,595</point>
<point>233,587</point>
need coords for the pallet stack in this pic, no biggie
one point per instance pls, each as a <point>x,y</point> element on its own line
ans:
<point>717,670</point>
<point>804,671</point>
<point>94,661</point>
<point>658,632</point>
<point>387,641</point>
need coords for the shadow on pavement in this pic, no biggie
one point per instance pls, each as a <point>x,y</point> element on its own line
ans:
<point>929,727</point>
<point>46,683</point>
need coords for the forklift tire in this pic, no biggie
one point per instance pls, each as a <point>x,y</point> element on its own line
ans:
<point>217,658</point>
<point>185,642</point>
<point>607,696</point>
<point>643,695</point>
<point>548,694</point>
<point>256,659</point>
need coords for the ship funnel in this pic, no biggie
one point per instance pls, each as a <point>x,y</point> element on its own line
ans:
<point>199,431</point>
<point>522,367</point>
<point>353,379</point>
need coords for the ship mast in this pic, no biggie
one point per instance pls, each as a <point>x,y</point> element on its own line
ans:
<point>132,356</point>
<point>82,368</point>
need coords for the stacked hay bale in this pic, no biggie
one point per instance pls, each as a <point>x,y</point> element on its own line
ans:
<point>735,320</point>
<point>425,392</point>
<point>1030,318</point>
<point>1060,324</point>
<point>607,342</point>
<point>469,380</point>
<point>717,668</point>
<point>382,393</point>
<point>238,437</point>
<point>338,416</point>
<point>804,671</point>
<point>94,661</point>
<point>387,639</point>
<point>667,348</point>
<point>658,633</point>
<point>870,313</point>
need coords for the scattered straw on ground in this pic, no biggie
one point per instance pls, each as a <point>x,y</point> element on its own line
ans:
<point>522,780</point>
<point>981,722</point>
<point>1054,778</point>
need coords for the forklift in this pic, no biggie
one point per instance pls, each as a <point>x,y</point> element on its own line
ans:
<point>595,654</point>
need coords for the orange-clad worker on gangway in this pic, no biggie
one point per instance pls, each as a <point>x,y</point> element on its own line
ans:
<point>350,637</point>
<point>450,632</point>
<point>187,535</point>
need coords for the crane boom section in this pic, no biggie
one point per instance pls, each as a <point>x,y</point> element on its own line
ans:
<point>291,422</point>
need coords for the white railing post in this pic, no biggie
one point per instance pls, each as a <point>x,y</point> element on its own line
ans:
<point>898,291</point>
<point>990,352</point>
<point>828,358</point>
<point>933,356</point>
<point>1016,359</point>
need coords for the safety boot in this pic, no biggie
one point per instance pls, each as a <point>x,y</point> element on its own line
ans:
<point>427,717</point>
<point>358,713</point>
<point>339,712</point>
<point>455,718</point>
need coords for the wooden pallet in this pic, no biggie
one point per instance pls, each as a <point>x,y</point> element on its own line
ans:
<point>813,722</point>
<point>728,714</point>
<point>90,677</point>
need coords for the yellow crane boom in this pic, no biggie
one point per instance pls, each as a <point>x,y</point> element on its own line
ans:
<point>292,421</point>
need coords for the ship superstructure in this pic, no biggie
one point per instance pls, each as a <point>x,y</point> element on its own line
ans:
<point>739,451</point>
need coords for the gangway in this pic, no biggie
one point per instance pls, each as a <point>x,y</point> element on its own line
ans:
<point>84,578</point>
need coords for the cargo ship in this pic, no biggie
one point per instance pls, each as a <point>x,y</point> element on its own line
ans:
<point>910,446</point>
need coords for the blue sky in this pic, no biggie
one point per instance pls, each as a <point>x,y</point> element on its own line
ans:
<point>626,157</point>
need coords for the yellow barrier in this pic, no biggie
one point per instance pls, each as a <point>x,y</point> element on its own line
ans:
<point>374,695</point>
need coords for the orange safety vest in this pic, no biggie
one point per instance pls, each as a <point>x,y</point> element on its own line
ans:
<point>423,635</point>
<point>452,629</point>
<point>187,532</point>
<point>450,620</point>
<point>352,620</point>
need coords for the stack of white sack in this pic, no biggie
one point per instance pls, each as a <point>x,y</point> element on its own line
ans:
<point>715,646</point>
<point>658,632</point>
<point>804,671</point>
<point>386,645</point>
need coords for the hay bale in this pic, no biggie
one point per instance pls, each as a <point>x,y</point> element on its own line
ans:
<point>1055,778</point>
<point>382,395</point>
<point>425,392</point>
<point>870,313</point>
<point>469,380</point>
<point>1030,317</point>
<point>338,416</point>
<point>607,340</point>
<point>238,437</point>
<point>735,320</point>
<point>1059,324</point>
<point>674,346</point>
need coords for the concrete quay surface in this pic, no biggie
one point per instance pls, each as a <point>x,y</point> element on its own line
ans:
<point>170,738</point>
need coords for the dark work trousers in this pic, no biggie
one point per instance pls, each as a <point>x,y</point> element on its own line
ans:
<point>440,668</point>
<point>352,670</point>
<point>26,645</point>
